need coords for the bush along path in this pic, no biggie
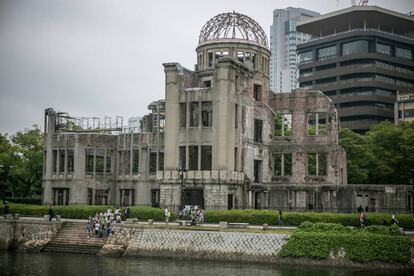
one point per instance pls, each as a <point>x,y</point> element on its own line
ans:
<point>253,217</point>
<point>332,240</point>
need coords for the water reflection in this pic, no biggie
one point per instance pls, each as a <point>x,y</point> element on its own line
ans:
<point>61,264</point>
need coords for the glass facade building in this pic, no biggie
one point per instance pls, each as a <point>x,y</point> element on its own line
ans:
<point>283,41</point>
<point>360,66</point>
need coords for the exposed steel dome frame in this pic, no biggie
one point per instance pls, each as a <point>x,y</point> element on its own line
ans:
<point>233,25</point>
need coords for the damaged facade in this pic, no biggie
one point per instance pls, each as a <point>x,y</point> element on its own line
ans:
<point>220,140</point>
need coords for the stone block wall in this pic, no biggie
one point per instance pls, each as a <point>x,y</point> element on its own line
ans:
<point>27,235</point>
<point>135,241</point>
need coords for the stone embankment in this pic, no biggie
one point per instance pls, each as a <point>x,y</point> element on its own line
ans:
<point>27,235</point>
<point>136,241</point>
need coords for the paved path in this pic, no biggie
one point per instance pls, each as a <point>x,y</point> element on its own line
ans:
<point>411,232</point>
<point>171,223</point>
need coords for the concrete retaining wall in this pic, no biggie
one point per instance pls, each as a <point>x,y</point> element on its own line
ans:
<point>213,245</point>
<point>26,235</point>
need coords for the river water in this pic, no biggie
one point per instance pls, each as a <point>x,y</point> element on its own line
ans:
<point>62,264</point>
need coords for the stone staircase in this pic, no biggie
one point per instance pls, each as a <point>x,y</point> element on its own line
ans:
<point>72,238</point>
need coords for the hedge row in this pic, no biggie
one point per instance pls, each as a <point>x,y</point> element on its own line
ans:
<point>84,211</point>
<point>24,200</point>
<point>372,244</point>
<point>255,217</point>
<point>259,217</point>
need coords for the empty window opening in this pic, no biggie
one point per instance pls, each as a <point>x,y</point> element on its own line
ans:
<point>283,164</point>
<point>160,161</point>
<point>210,59</point>
<point>206,158</point>
<point>193,158</point>
<point>89,160</point>
<point>207,114</point>
<point>183,115</point>
<point>135,161</point>
<point>99,159</point>
<point>127,197</point>
<point>108,165</point>
<point>236,116</point>
<point>182,156</point>
<point>194,114</point>
<point>70,155</point>
<point>257,170</point>
<point>317,163</point>
<point>240,56</point>
<point>54,160</point>
<point>236,157</point>
<point>153,163</point>
<point>283,125</point>
<point>258,129</point>
<point>207,83</point>
<point>317,123</point>
<point>61,160</point>
<point>257,92</point>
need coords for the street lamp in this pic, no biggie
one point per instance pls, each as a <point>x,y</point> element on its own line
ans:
<point>181,172</point>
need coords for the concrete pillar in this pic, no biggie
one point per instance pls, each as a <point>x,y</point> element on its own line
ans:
<point>173,78</point>
<point>223,117</point>
<point>50,128</point>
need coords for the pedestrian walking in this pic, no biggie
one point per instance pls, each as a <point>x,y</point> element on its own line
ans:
<point>51,212</point>
<point>280,218</point>
<point>362,219</point>
<point>394,220</point>
<point>166,214</point>
<point>126,212</point>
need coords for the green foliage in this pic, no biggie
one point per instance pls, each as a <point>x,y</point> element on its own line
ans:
<point>84,211</point>
<point>382,156</point>
<point>25,200</point>
<point>259,217</point>
<point>22,160</point>
<point>379,243</point>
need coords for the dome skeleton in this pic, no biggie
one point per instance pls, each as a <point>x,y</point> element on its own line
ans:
<point>233,25</point>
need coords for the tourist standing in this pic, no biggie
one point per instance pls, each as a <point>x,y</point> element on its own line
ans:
<point>394,220</point>
<point>166,215</point>
<point>280,218</point>
<point>362,219</point>
<point>126,212</point>
<point>51,212</point>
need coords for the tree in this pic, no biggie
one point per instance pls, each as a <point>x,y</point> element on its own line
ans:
<point>383,155</point>
<point>27,167</point>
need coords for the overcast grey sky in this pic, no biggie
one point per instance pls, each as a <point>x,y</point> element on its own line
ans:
<point>104,57</point>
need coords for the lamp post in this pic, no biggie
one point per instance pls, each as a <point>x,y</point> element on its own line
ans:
<point>181,172</point>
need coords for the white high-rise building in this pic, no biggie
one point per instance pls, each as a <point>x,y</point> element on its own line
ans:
<point>283,41</point>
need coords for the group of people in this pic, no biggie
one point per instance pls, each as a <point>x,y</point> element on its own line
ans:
<point>194,213</point>
<point>363,218</point>
<point>100,224</point>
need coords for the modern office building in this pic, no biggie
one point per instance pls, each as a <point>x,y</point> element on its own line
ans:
<point>404,107</point>
<point>283,40</point>
<point>359,57</point>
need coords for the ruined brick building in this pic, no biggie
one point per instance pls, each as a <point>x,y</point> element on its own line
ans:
<point>221,140</point>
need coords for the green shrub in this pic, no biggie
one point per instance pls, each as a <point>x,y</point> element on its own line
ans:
<point>374,243</point>
<point>24,200</point>
<point>84,211</point>
<point>392,230</point>
<point>259,217</point>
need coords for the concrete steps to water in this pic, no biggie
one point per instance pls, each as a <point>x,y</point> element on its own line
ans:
<point>73,238</point>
